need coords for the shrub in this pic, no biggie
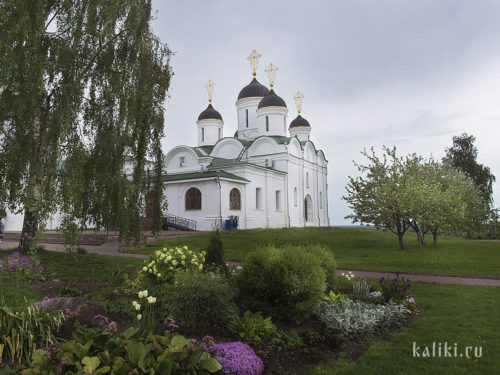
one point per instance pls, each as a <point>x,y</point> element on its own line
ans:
<point>163,264</point>
<point>237,358</point>
<point>395,289</point>
<point>215,250</point>
<point>252,327</point>
<point>361,289</point>
<point>326,258</point>
<point>342,284</point>
<point>286,283</point>
<point>197,300</point>
<point>356,318</point>
<point>103,352</point>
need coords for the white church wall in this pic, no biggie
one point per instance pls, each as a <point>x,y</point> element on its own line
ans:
<point>243,106</point>
<point>228,148</point>
<point>181,159</point>
<point>272,121</point>
<point>210,131</point>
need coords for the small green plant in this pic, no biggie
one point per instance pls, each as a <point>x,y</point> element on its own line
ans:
<point>334,297</point>
<point>117,277</point>
<point>252,327</point>
<point>361,289</point>
<point>145,312</point>
<point>23,330</point>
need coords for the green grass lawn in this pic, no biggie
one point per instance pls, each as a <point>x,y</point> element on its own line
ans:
<point>82,267</point>
<point>466,315</point>
<point>361,249</point>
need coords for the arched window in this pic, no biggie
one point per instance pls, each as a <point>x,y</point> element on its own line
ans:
<point>193,199</point>
<point>278,200</point>
<point>267,123</point>
<point>295,197</point>
<point>219,133</point>
<point>246,114</point>
<point>203,134</point>
<point>320,199</point>
<point>234,199</point>
<point>308,209</point>
<point>307,179</point>
<point>284,124</point>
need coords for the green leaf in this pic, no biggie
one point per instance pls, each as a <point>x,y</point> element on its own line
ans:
<point>211,365</point>
<point>78,349</point>
<point>129,332</point>
<point>90,364</point>
<point>179,341</point>
<point>103,370</point>
<point>165,367</point>
<point>137,351</point>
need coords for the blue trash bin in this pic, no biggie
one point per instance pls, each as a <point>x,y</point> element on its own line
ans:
<point>235,224</point>
<point>229,224</point>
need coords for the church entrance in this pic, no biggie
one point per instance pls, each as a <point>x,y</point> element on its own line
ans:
<point>308,208</point>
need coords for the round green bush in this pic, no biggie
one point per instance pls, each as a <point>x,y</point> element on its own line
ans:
<point>326,258</point>
<point>286,283</point>
<point>197,300</point>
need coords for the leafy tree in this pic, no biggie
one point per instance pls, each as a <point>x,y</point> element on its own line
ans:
<point>82,84</point>
<point>462,156</point>
<point>380,197</point>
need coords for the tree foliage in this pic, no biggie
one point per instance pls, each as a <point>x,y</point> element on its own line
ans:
<point>398,193</point>
<point>82,84</point>
<point>462,156</point>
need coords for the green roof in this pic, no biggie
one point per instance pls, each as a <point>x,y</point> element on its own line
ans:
<point>222,162</point>
<point>198,175</point>
<point>207,148</point>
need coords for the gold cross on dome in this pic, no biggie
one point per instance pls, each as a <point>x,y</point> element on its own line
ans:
<point>271,73</point>
<point>210,90</point>
<point>254,61</point>
<point>298,101</point>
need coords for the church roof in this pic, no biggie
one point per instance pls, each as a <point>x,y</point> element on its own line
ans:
<point>207,149</point>
<point>201,175</point>
<point>222,162</point>
<point>210,113</point>
<point>253,89</point>
<point>299,121</point>
<point>272,100</point>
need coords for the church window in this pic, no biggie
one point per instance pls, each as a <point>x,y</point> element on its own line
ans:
<point>320,199</point>
<point>308,213</point>
<point>234,199</point>
<point>284,124</point>
<point>267,123</point>
<point>295,197</point>
<point>246,113</point>
<point>307,179</point>
<point>219,133</point>
<point>193,199</point>
<point>258,199</point>
<point>182,161</point>
<point>278,200</point>
<point>203,134</point>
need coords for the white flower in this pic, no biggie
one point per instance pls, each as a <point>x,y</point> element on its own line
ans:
<point>145,292</point>
<point>139,316</point>
<point>134,303</point>
<point>145,269</point>
<point>158,274</point>
<point>137,306</point>
<point>151,299</point>
<point>185,247</point>
<point>150,270</point>
<point>141,294</point>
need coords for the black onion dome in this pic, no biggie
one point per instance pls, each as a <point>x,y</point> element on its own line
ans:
<point>253,89</point>
<point>299,121</point>
<point>271,100</point>
<point>210,114</point>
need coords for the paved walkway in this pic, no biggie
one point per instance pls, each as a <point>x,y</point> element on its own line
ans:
<point>113,245</point>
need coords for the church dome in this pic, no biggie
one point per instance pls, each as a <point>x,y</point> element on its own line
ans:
<point>271,100</point>
<point>210,114</point>
<point>252,90</point>
<point>299,121</point>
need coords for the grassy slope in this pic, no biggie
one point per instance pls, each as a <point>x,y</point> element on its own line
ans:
<point>362,249</point>
<point>82,267</point>
<point>467,315</point>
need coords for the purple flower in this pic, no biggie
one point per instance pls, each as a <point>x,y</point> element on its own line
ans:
<point>397,273</point>
<point>382,278</point>
<point>237,358</point>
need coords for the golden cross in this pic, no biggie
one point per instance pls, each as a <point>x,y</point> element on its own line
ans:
<point>254,60</point>
<point>210,90</point>
<point>298,101</point>
<point>271,73</point>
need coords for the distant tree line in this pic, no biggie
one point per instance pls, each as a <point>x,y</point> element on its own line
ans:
<point>423,195</point>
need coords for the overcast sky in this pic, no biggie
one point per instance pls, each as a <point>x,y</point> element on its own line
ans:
<point>407,73</point>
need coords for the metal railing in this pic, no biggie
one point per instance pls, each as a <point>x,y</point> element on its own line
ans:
<point>178,222</point>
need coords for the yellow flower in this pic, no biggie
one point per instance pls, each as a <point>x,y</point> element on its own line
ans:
<point>145,269</point>
<point>183,263</point>
<point>171,268</point>
<point>174,262</point>
<point>158,274</point>
<point>183,256</point>
<point>200,267</point>
<point>139,316</point>
<point>185,247</point>
<point>165,261</point>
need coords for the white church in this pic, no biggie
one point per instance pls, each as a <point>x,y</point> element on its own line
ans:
<point>268,175</point>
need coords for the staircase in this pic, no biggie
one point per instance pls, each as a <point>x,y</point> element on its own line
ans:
<point>179,223</point>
